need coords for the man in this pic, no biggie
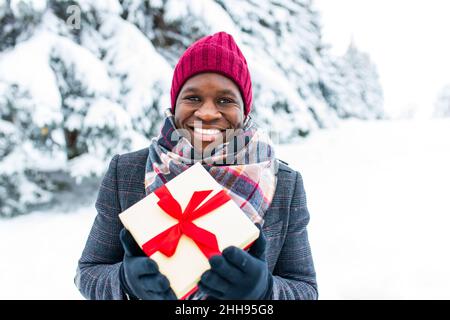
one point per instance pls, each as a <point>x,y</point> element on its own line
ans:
<point>209,121</point>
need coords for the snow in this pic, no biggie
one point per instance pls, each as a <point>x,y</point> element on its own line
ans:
<point>28,66</point>
<point>21,158</point>
<point>412,57</point>
<point>128,52</point>
<point>102,89</point>
<point>91,72</point>
<point>442,104</point>
<point>37,5</point>
<point>105,6</point>
<point>42,262</point>
<point>377,194</point>
<point>86,165</point>
<point>6,127</point>
<point>104,113</point>
<point>378,197</point>
<point>212,14</point>
<point>271,84</point>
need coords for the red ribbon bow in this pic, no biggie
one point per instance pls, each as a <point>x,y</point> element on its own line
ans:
<point>167,241</point>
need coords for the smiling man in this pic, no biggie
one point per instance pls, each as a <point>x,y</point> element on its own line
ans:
<point>211,92</point>
<point>209,121</point>
<point>210,108</point>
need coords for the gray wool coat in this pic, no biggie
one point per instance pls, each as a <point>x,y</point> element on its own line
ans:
<point>288,251</point>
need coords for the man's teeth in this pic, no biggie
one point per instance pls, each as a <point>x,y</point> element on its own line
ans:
<point>207,131</point>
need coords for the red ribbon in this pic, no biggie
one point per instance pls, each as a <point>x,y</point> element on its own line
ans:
<point>167,241</point>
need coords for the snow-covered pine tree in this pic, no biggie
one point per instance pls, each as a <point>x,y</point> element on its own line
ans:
<point>365,93</point>
<point>101,89</point>
<point>351,85</point>
<point>22,144</point>
<point>442,104</point>
<point>95,125</point>
<point>17,20</point>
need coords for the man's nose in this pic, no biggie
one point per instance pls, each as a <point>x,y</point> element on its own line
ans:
<point>208,111</point>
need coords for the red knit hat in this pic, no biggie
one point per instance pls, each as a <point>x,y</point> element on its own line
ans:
<point>214,53</point>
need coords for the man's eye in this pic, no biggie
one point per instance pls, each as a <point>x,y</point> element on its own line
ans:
<point>192,98</point>
<point>225,100</point>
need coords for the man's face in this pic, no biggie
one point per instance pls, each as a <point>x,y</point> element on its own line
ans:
<point>207,105</point>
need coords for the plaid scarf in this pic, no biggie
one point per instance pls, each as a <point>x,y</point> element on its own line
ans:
<point>244,165</point>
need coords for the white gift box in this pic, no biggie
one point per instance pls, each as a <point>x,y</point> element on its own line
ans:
<point>145,220</point>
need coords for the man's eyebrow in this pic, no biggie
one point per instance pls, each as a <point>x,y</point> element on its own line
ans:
<point>190,89</point>
<point>227,91</point>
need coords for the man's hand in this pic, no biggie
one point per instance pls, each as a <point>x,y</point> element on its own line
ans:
<point>237,274</point>
<point>139,275</point>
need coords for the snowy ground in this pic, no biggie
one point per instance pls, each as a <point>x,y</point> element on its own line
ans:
<point>378,198</point>
<point>378,195</point>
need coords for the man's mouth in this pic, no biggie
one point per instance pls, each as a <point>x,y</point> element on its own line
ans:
<point>207,135</point>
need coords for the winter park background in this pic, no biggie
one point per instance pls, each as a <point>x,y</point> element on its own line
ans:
<point>360,108</point>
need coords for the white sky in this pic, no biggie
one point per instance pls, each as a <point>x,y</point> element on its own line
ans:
<point>408,40</point>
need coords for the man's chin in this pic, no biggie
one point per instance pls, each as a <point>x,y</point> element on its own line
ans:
<point>204,147</point>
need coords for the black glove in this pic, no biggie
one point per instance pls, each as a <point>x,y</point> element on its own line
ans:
<point>237,274</point>
<point>139,275</point>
